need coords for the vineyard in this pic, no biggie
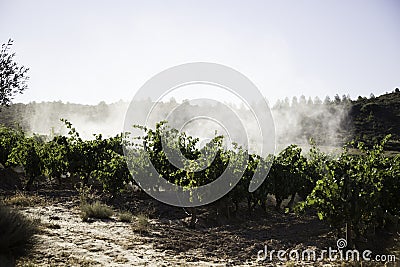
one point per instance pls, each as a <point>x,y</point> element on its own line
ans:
<point>356,192</point>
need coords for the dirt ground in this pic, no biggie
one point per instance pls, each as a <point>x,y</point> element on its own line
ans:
<point>65,240</point>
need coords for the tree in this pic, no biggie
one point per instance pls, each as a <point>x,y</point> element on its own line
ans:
<point>317,101</point>
<point>302,100</point>
<point>13,77</point>
<point>327,100</point>
<point>286,103</point>
<point>337,99</point>
<point>294,102</point>
<point>346,99</point>
<point>310,101</point>
<point>278,104</point>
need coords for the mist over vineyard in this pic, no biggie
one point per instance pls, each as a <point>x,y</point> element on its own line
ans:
<point>295,121</point>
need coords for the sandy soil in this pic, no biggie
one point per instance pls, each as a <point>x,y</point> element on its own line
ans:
<point>68,241</point>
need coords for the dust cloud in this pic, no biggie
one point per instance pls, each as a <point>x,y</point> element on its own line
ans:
<point>296,121</point>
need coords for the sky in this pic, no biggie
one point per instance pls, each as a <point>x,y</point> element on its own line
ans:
<point>92,51</point>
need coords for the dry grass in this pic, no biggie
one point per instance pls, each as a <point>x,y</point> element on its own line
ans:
<point>95,210</point>
<point>16,233</point>
<point>125,216</point>
<point>141,223</point>
<point>23,199</point>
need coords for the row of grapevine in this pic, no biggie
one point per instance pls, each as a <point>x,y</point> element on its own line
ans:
<point>357,190</point>
<point>66,156</point>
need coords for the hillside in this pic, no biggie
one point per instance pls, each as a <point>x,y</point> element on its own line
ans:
<point>375,117</point>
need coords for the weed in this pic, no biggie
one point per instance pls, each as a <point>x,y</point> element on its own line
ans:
<point>125,216</point>
<point>141,223</point>
<point>95,210</point>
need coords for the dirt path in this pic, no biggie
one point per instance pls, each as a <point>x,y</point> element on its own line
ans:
<point>68,241</point>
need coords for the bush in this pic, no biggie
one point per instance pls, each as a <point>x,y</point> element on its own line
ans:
<point>125,216</point>
<point>141,223</point>
<point>95,210</point>
<point>16,234</point>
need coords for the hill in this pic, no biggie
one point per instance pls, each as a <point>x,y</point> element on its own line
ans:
<point>375,117</point>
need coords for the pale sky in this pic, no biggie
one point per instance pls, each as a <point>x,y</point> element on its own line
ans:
<point>92,51</point>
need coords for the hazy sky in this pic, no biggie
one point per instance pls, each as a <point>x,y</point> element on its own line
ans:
<point>89,51</point>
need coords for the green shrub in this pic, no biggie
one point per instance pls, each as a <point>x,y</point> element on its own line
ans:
<point>16,234</point>
<point>95,210</point>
